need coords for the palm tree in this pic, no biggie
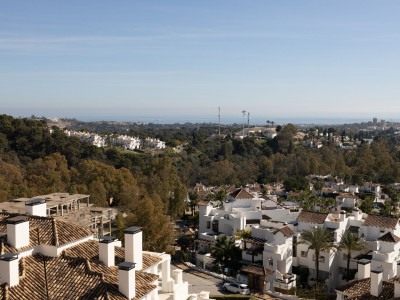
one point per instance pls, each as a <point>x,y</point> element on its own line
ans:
<point>318,239</point>
<point>226,254</point>
<point>272,123</point>
<point>268,122</point>
<point>351,242</point>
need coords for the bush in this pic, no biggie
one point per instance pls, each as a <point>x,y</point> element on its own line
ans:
<point>184,256</point>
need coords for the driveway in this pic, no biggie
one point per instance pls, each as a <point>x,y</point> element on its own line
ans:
<point>200,282</point>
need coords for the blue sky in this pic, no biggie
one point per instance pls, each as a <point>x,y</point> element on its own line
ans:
<point>131,59</point>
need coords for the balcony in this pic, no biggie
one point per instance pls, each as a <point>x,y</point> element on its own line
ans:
<point>285,284</point>
<point>382,256</point>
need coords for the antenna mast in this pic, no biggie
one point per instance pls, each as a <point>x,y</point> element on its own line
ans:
<point>219,121</point>
<point>248,120</point>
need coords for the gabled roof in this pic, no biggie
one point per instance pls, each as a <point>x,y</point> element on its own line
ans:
<point>360,289</point>
<point>241,194</point>
<point>90,250</point>
<point>52,232</point>
<point>312,217</point>
<point>389,237</point>
<point>286,231</point>
<point>381,221</point>
<point>72,278</point>
<point>202,202</point>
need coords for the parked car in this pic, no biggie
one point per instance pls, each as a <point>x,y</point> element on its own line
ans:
<point>236,288</point>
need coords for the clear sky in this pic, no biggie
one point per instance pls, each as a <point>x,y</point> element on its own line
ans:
<point>275,59</point>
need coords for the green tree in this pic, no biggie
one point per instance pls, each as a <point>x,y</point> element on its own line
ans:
<point>193,199</point>
<point>367,205</point>
<point>318,239</point>
<point>226,254</point>
<point>349,243</point>
<point>296,183</point>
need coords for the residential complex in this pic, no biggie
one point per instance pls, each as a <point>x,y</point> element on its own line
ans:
<point>43,257</point>
<point>124,141</point>
<point>272,256</point>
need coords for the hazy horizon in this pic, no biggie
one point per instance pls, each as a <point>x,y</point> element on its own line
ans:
<point>275,59</point>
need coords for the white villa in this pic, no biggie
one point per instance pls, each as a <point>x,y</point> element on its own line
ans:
<point>91,138</point>
<point>154,143</point>
<point>126,142</point>
<point>267,255</point>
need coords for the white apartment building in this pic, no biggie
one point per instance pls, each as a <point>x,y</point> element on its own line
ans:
<point>154,143</point>
<point>45,258</point>
<point>272,240</point>
<point>269,249</point>
<point>381,234</point>
<point>126,142</point>
<point>91,138</point>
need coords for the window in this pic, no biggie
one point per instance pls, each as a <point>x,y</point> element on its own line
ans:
<point>344,256</point>
<point>271,262</point>
<point>303,253</point>
<point>208,224</point>
<point>321,258</point>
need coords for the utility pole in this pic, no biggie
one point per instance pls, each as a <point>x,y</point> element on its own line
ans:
<point>248,120</point>
<point>244,114</point>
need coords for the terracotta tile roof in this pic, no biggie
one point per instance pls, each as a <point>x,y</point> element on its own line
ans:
<point>241,194</point>
<point>202,202</point>
<point>254,240</point>
<point>51,231</point>
<point>381,221</point>
<point>90,250</point>
<point>355,287</point>
<point>72,278</point>
<point>389,237</point>
<point>287,232</point>
<point>257,269</point>
<point>312,217</point>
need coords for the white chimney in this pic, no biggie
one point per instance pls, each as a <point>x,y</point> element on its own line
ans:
<point>133,246</point>
<point>107,250</point>
<point>18,231</point>
<point>177,275</point>
<point>9,269</point>
<point>126,279</point>
<point>364,268</point>
<point>36,207</point>
<point>376,282</point>
<point>357,213</point>
<point>342,215</point>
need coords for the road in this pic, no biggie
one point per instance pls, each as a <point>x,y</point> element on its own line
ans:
<point>200,282</point>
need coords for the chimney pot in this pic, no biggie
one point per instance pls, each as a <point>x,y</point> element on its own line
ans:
<point>126,279</point>
<point>364,268</point>
<point>376,282</point>
<point>18,231</point>
<point>133,246</point>
<point>107,250</point>
<point>9,269</point>
<point>36,207</point>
